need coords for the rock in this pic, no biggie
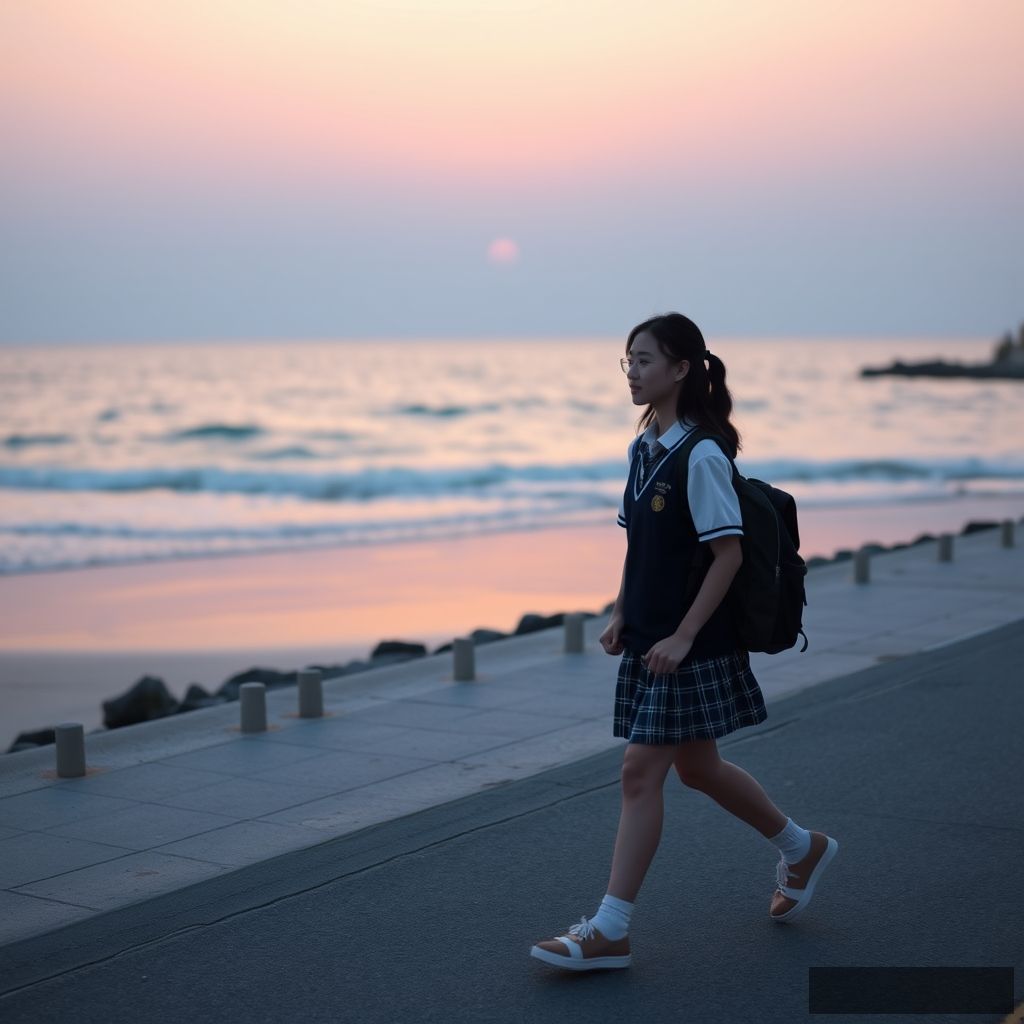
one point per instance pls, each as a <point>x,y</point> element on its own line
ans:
<point>486,636</point>
<point>977,525</point>
<point>335,671</point>
<point>531,622</point>
<point>842,555</point>
<point>874,549</point>
<point>197,697</point>
<point>817,560</point>
<point>33,739</point>
<point>922,538</point>
<point>381,660</point>
<point>478,636</point>
<point>999,370</point>
<point>328,671</point>
<point>149,698</point>
<point>270,678</point>
<point>357,665</point>
<point>392,647</point>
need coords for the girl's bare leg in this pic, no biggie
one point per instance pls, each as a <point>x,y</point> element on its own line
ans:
<point>644,768</point>
<point>700,767</point>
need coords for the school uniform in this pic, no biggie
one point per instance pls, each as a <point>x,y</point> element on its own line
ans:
<point>713,691</point>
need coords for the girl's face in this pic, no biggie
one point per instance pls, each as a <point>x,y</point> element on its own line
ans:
<point>652,378</point>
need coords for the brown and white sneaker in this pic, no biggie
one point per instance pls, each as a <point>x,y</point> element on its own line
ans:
<point>583,949</point>
<point>796,882</point>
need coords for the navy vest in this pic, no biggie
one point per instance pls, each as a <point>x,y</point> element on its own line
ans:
<point>661,581</point>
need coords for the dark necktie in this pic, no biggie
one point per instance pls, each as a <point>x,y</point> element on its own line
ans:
<point>649,454</point>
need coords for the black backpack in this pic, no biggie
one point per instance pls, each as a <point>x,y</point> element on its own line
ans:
<point>767,596</point>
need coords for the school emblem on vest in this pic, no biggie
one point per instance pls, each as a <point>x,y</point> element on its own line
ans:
<point>657,503</point>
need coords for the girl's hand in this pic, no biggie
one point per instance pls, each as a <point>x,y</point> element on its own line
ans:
<point>611,638</point>
<point>666,654</point>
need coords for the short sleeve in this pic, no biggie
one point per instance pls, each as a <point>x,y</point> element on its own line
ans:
<point>622,501</point>
<point>713,503</point>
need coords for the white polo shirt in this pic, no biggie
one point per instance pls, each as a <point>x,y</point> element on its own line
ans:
<point>709,490</point>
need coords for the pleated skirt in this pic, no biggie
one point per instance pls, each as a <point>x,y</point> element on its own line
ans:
<point>703,699</point>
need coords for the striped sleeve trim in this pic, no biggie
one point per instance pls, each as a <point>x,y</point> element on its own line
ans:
<point>621,521</point>
<point>720,531</point>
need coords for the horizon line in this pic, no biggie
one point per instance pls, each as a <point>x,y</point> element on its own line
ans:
<point>482,336</point>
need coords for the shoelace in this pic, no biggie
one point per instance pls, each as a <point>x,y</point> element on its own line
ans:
<point>584,929</point>
<point>781,874</point>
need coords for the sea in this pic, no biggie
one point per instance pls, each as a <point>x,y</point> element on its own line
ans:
<point>115,453</point>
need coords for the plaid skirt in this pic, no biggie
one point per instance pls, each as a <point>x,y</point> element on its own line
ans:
<point>703,699</point>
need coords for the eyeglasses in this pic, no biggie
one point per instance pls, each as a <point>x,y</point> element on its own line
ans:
<point>625,362</point>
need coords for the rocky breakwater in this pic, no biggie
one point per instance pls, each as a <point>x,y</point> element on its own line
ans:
<point>149,697</point>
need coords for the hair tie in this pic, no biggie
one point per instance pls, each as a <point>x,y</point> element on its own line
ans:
<point>707,353</point>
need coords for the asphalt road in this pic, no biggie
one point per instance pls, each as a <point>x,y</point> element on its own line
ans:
<point>915,766</point>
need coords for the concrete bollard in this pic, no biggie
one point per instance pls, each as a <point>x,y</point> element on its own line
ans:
<point>1006,536</point>
<point>311,693</point>
<point>252,699</point>
<point>574,633</point>
<point>862,566</point>
<point>464,658</point>
<point>946,547</point>
<point>70,750</point>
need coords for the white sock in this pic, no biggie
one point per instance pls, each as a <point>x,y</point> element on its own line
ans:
<point>793,842</point>
<point>612,917</point>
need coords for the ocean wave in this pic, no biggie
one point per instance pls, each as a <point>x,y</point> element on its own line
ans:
<point>297,451</point>
<point>112,545</point>
<point>792,470</point>
<point>228,431</point>
<point>28,440</point>
<point>445,411</point>
<point>402,481</point>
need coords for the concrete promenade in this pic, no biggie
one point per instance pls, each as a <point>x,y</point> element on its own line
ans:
<point>177,802</point>
<point>914,765</point>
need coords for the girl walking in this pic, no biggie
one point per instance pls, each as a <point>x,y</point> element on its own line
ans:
<point>683,679</point>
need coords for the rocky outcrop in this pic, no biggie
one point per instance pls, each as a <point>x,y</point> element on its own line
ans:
<point>1007,364</point>
<point>940,368</point>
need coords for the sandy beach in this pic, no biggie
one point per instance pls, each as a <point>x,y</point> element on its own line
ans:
<point>70,639</point>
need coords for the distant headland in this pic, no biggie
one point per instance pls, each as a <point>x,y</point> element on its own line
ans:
<point>1007,363</point>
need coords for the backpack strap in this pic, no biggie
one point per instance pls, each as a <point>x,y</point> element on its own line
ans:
<point>696,435</point>
<point>694,438</point>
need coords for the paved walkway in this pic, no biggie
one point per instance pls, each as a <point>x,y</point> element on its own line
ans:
<point>913,765</point>
<point>169,804</point>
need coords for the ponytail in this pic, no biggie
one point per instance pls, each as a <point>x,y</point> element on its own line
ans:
<point>719,404</point>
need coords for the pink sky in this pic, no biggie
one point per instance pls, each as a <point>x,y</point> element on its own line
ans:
<point>505,116</point>
<point>472,91</point>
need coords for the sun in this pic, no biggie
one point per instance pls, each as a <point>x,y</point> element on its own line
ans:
<point>503,251</point>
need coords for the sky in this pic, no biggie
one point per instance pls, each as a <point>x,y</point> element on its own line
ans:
<point>202,169</point>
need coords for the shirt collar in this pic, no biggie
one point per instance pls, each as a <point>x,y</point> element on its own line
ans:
<point>678,430</point>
